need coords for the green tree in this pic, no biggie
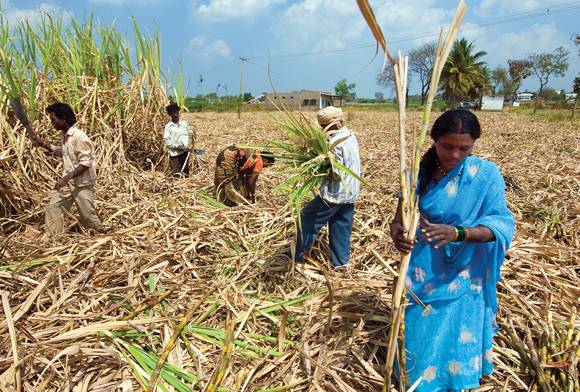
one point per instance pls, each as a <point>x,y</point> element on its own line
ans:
<point>481,85</point>
<point>464,74</point>
<point>345,90</point>
<point>576,89</point>
<point>500,80</point>
<point>247,97</point>
<point>379,96</point>
<point>549,94</point>
<point>518,71</point>
<point>546,65</point>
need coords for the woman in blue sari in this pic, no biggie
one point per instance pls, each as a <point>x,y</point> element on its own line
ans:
<point>466,229</point>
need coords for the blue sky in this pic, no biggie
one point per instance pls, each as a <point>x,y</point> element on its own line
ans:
<point>311,44</point>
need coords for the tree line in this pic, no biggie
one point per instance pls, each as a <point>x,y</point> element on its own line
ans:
<point>467,76</point>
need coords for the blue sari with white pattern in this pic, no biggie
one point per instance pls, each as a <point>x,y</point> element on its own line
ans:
<point>449,341</point>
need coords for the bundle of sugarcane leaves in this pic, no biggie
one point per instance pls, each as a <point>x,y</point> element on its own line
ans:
<point>308,158</point>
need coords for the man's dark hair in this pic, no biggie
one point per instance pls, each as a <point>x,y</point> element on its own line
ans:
<point>172,107</point>
<point>63,111</point>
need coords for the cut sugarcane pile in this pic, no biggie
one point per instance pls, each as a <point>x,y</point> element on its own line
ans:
<point>95,313</point>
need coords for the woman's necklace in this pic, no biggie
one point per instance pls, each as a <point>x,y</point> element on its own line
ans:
<point>444,173</point>
<point>440,170</point>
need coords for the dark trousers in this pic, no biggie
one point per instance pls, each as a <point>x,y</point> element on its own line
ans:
<point>180,165</point>
<point>339,217</point>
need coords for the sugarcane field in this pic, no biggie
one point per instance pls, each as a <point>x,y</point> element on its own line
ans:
<point>155,240</point>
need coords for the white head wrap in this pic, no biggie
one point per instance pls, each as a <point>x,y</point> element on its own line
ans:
<point>329,115</point>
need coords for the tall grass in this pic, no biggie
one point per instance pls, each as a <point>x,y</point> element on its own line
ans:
<point>116,90</point>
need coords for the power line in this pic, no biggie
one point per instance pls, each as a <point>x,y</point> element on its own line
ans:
<point>566,7</point>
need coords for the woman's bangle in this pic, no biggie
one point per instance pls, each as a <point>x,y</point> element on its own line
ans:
<point>456,233</point>
<point>461,233</point>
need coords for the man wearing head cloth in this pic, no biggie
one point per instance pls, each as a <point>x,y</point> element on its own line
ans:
<point>335,203</point>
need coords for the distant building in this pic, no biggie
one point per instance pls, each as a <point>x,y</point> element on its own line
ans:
<point>524,97</point>
<point>571,96</point>
<point>299,100</point>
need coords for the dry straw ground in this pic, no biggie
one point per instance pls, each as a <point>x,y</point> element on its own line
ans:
<point>80,311</point>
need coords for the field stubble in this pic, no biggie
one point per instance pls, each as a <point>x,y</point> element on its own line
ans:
<point>78,309</point>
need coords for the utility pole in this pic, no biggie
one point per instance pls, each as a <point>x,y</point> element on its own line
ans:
<point>242,61</point>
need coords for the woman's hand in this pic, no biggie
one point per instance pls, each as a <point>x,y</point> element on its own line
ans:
<point>398,235</point>
<point>440,235</point>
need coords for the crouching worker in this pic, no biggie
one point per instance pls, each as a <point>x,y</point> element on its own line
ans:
<point>79,174</point>
<point>335,203</point>
<point>236,174</point>
<point>176,136</point>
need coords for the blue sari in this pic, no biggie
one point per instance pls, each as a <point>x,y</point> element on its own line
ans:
<point>449,341</point>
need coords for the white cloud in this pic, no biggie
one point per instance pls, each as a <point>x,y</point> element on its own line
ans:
<point>318,25</point>
<point>222,10</point>
<point>122,2</point>
<point>32,15</point>
<point>502,7</point>
<point>410,17</point>
<point>519,44</point>
<point>203,47</point>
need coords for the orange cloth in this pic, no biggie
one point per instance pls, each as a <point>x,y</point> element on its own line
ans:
<point>254,162</point>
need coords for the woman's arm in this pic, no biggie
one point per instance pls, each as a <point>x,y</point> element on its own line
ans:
<point>251,180</point>
<point>444,234</point>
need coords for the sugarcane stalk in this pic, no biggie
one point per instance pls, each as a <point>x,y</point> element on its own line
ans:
<point>172,340</point>
<point>535,362</point>
<point>570,333</point>
<point>573,381</point>
<point>225,357</point>
<point>409,201</point>
<point>402,354</point>
<point>148,304</point>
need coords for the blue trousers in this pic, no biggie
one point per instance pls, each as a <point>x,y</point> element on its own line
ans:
<point>318,213</point>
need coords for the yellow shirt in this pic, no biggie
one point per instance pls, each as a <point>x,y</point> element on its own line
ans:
<point>77,149</point>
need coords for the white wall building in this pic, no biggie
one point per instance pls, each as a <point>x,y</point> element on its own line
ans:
<point>524,97</point>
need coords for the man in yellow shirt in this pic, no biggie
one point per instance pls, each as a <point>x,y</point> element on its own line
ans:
<point>78,179</point>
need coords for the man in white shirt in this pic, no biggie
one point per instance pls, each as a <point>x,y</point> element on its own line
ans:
<point>176,136</point>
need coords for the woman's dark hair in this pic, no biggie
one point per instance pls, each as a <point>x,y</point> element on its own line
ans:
<point>63,111</point>
<point>172,107</point>
<point>268,156</point>
<point>456,121</point>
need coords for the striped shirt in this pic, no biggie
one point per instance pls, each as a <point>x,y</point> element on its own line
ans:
<point>346,189</point>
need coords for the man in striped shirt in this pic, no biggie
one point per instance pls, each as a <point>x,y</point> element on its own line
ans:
<point>335,204</point>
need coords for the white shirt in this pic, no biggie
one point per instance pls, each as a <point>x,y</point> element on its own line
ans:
<point>345,190</point>
<point>176,137</point>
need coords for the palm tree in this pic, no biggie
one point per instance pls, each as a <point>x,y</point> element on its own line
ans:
<point>464,75</point>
